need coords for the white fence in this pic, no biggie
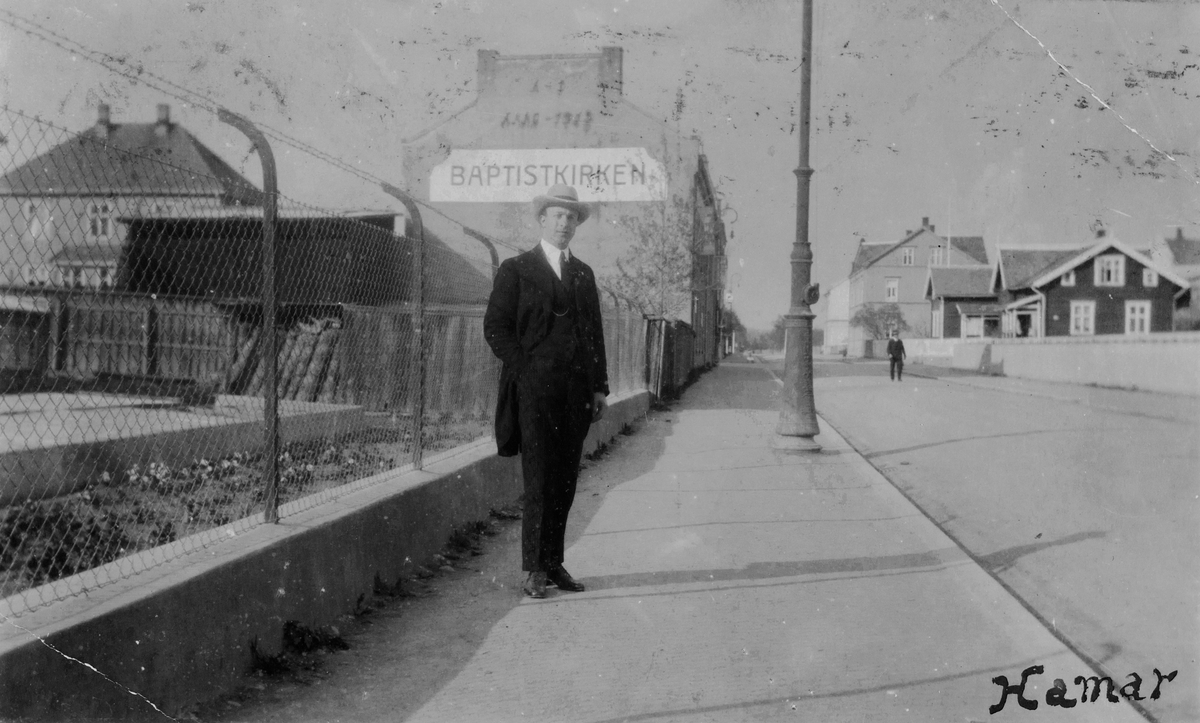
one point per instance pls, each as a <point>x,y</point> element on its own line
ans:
<point>1167,362</point>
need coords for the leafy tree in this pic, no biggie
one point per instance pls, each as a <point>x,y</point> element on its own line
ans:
<point>735,327</point>
<point>778,333</point>
<point>878,320</point>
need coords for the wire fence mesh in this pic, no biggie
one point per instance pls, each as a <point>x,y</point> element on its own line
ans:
<point>134,382</point>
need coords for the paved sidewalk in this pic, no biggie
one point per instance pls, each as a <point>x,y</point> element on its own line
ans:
<point>727,581</point>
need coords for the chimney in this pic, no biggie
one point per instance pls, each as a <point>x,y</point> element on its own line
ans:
<point>611,60</point>
<point>163,124</point>
<point>485,69</point>
<point>610,77</point>
<point>102,121</point>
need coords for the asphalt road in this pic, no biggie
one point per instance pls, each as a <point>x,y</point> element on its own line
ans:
<point>1085,503</point>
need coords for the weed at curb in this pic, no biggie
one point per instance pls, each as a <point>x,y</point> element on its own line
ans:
<point>299,644</point>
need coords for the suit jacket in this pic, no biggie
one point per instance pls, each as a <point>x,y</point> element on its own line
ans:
<point>519,317</point>
<point>895,349</point>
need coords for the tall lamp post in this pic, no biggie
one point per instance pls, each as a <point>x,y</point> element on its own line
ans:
<point>798,418</point>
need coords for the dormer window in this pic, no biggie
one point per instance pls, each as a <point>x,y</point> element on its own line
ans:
<point>1110,270</point>
<point>100,220</point>
<point>1149,277</point>
<point>1068,279</point>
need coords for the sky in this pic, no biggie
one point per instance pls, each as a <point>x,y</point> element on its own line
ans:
<point>1026,123</point>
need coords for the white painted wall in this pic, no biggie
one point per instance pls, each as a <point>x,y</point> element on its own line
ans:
<point>1167,362</point>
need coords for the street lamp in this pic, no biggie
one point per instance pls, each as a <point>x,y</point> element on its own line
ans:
<point>798,418</point>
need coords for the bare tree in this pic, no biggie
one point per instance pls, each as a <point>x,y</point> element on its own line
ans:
<point>655,272</point>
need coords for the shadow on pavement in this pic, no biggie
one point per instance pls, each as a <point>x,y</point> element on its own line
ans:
<point>797,700</point>
<point>770,570</point>
<point>1002,560</point>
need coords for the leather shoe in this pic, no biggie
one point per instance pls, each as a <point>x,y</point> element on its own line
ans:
<point>535,585</point>
<point>563,580</point>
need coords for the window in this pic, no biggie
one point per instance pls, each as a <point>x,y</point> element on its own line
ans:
<point>106,279</point>
<point>937,256</point>
<point>1083,318</point>
<point>891,288</point>
<point>74,278</point>
<point>907,256</point>
<point>1137,317</point>
<point>1068,279</point>
<point>1149,277</point>
<point>100,221</point>
<point>1110,270</point>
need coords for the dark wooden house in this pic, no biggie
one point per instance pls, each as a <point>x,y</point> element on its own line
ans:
<point>962,304</point>
<point>1109,288</point>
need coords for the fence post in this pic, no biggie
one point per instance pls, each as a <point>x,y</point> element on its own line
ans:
<point>269,315</point>
<point>614,375</point>
<point>491,247</point>
<point>639,375</point>
<point>418,319</point>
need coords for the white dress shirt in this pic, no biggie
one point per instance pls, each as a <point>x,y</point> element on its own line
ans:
<point>553,255</point>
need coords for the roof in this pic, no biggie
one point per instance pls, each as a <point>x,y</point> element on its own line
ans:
<point>1018,267</point>
<point>1053,272</point>
<point>960,281</point>
<point>288,212</point>
<point>134,160</point>
<point>1185,251</point>
<point>1024,301</point>
<point>978,307</point>
<point>972,246</point>
<point>869,253</point>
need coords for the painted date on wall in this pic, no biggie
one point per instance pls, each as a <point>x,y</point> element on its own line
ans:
<point>567,119</point>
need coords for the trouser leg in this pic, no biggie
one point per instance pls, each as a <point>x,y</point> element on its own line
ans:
<point>554,419</point>
<point>892,369</point>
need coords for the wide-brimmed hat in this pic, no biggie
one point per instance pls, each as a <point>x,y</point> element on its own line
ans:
<point>561,195</point>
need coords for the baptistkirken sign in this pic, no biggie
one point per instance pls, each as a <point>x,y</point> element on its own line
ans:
<point>517,175</point>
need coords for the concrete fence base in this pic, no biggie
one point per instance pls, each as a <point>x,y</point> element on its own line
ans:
<point>182,631</point>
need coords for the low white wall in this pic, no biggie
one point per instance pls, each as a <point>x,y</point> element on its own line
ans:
<point>930,351</point>
<point>917,350</point>
<point>1167,362</point>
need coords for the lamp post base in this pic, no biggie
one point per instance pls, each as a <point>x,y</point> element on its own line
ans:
<point>787,443</point>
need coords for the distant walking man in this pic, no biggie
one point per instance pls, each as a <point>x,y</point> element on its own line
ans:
<point>895,352</point>
<point>543,322</point>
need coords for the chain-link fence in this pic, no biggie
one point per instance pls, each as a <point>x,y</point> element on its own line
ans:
<point>137,386</point>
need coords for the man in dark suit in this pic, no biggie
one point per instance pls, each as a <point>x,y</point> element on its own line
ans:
<point>543,322</point>
<point>896,356</point>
